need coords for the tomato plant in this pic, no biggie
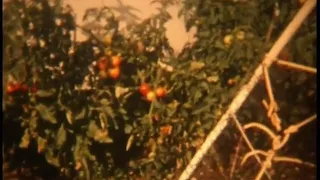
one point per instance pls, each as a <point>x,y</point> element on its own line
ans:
<point>116,61</point>
<point>88,112</point>
<point>114,72</point>
<point>151,96</point>
<point>161,92</point>
<point>144,89</point>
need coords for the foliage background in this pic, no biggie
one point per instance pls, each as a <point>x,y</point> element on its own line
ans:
<point>80,125</point>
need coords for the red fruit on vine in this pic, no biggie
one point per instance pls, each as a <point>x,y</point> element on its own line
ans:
<point>25,87</point>
<point>151,96</point>
<point>114,73</point>
<point>17,86</point>
<point>102,63</point>
<point>144,89</point>
<point>116,61</point>
<point>161,92</point>
<point>166,130</point>
<point>33,89</point>
<point>11,88</point>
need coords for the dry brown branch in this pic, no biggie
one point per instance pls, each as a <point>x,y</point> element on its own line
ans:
<point>294,128</point>
<point>278,144</point>
<point>270,30</point>
<point>261,127</point>
<point>243,134</point>
<point>275,120</point>
<point>245,90</point>
<point>246,139</point>
<point>293,160</point>
<point>252,153</point>
<point>273,107</point>
<point>298,67</point>
<point>233,166</point>
<point>266,165</point>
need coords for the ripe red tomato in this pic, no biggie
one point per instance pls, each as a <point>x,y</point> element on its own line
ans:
<point>144,89</point>
<point>161,92</point>
<point>151,96</point>
<point>10,88</point>
<point>34,88</point>
<point>102,64</point>
<point>25,87</point>
<point>114,73</point>
<point>116,61</point>
<point>13,87</point>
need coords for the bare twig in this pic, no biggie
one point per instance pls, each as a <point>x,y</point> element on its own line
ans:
<point>293,160</point>
<point>295,128</point>
<point>266,164</point>
<point>261,127</point>
<point>233,166</point>
<point>270,30</point>
<point>273,105</point>
<point>278,144</point>
<point>251,153</point>
<point>246,139</point>
<point>296,66</point>
<point>275,120</point>
<point>246,89</point>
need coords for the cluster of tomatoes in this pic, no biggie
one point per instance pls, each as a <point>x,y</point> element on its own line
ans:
<point>150,94</point>
<point>13,87</point>
<point>105,70</point>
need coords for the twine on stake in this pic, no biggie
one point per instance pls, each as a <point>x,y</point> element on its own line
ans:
<point>246,89</point>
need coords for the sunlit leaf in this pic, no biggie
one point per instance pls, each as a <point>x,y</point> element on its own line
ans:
<point>61,136</point>
<point>46,93</point>
<point>129,142</point>
<point>128,129</point>
<point>25,141</point>
<point>46,113</point>
<point>194,65</point>
<point>42,143</point>
<point>81,115</point>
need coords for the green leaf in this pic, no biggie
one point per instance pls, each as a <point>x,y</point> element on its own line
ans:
<point>104,102</point>
<point>119,91</point>
<point>204,34</point>
<point>122,111</point>
<point>200,110</point>
<point>187,105</point>
<point>81,115</point>
<point>194,65</point>
<point>46,113</point>
<point>129,143</point>
<point>46,93</point>
<point>97,134</point>
<point>92,129</point>
<point>219,45</point>
<point>25,140</point>
<point>188,156</point>
<point>61,136</point>
<point>249,52</point>
<point>51,159</point>
<point>109,111</point>
<point>105,139</point>
<point>213,79</point>
<point>69,116</point>
<point>128,129</point>
<point>207,125</point>
<point>197,95</point>
<point>42,143</point>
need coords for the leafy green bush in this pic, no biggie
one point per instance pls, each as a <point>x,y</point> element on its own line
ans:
<point>86,115</point>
